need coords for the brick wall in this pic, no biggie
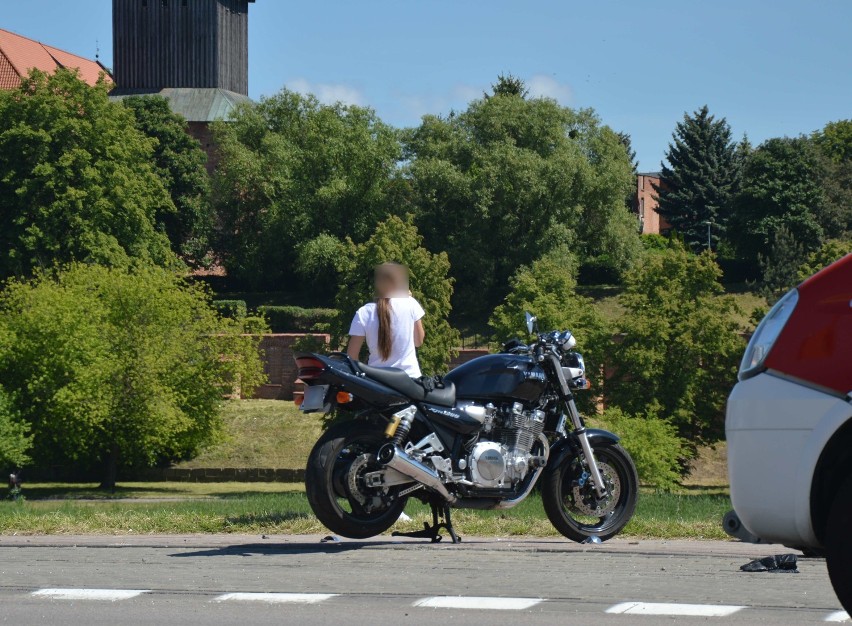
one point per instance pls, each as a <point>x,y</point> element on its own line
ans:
<point>278,364</point>
<point>652,223</point>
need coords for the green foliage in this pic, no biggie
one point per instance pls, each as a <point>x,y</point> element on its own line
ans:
<point>180,163</point>
<point>511,178</point>
<point>292,169</point>
<point>76,179</point>
<point>115,367</point>
<point>680,350</point>
<point>829,252</point>
<point>780,188</point>
<point>653,443</point>
<point>318,265</point>
<point>546,288</point>
<point>295,319</point>
<point>780,268</point>
<point>14,439</point>
<point>700,178</point>
<point>234,309</point>
<point>835,140</point>
<point>399,241</point>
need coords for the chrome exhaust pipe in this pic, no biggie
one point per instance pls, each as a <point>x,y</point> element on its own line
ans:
<point>394,457</point>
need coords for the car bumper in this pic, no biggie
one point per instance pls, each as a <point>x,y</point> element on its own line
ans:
<point>774,441</point>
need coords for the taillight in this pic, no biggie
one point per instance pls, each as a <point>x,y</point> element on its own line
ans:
<point>310,367</point>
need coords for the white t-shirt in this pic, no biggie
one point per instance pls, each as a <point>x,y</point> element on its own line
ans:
<point>404,313</point>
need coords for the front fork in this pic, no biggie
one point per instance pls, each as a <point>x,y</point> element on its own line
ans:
<point>583,438</point>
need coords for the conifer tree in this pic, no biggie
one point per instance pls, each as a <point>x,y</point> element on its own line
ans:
<point>699,181</point>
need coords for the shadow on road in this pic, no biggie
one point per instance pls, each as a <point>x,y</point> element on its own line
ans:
<point>261,549</point>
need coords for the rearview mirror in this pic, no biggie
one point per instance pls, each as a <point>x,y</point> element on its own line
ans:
<point>531,320</point>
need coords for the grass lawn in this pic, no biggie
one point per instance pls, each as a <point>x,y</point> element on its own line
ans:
<point>261,433</point>
<point>280,508</point>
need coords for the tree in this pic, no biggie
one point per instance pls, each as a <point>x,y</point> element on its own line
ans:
<point>835,140</point>
<point>292,169</point>
<point>699,181</point>
<point>76,180</point>
<point>546,288</point>
<point>397,240</point>
<point>680,349</point>
<point>180,163</point>
<point>829,252</point>
<point>117,368</point>
<point>780,268</point>
<point>510,178</point>
<point>627,142</point>
<point>780,188</point>
<point>509,85</point>
<point>834,145</point>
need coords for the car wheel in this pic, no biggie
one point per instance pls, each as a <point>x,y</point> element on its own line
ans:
<point>839,545</point>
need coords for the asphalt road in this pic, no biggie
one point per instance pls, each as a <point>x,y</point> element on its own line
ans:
<point>299,580</point>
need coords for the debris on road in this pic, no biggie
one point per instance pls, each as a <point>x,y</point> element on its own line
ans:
<point>785,563</point>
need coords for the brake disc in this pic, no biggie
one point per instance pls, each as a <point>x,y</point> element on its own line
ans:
<point>586,500</point>
<point>354,478</point>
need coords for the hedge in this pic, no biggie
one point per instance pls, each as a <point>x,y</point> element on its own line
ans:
<point>295,319</point>
<point>235,309</point>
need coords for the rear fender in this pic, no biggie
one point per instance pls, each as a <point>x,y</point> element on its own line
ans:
<point>569,447</point>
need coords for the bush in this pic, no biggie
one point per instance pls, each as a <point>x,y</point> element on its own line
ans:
<point>232,309</point>
<point>295,319</point>
<point>653,443</point>
<point>114,368</point>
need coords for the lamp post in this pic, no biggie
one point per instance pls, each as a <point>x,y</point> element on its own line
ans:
<point>708,222</point>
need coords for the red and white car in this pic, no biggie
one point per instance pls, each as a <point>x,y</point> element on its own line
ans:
<point>789,424</point>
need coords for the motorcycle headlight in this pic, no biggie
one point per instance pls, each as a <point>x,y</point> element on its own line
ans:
<point>766,334</point>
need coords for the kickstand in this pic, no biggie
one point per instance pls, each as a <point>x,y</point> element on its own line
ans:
<point>433,532</point>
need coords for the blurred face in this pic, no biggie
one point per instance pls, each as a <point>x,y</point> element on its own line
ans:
<point>391,280</point>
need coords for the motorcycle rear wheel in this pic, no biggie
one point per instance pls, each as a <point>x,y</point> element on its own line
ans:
<point>573,508</point>
<point>334,482</point>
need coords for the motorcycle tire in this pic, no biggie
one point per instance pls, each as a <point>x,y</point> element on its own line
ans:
<point>331,475</point>
<point>570,501</point>
<point>838,544</point>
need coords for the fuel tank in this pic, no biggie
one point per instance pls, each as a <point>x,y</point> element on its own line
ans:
<point>499,377</point>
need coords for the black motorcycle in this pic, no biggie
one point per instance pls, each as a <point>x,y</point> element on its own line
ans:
<point>481,437</point>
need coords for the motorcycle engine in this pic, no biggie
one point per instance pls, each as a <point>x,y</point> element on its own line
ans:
<point>505,460</point>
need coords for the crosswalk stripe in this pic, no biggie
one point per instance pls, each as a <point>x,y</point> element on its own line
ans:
<point>282,598</point>
<point>472,602</point>
<point>838,616</point>
<point>89,594</point>
<point>686,610</point>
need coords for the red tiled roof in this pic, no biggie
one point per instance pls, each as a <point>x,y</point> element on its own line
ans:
<point>18,55</point>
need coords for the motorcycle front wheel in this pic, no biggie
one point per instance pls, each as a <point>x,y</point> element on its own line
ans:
<point>572,504</point>
<point>335,485</point>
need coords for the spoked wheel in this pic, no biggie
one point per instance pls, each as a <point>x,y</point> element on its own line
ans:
<point>336,487</point>
<point>572,504</point>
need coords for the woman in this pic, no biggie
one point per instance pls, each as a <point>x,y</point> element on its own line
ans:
<point>392,325</point>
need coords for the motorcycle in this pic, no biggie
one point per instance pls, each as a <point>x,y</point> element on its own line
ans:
<point>481,437</point>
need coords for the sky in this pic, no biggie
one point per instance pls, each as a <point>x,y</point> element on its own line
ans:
<point>771,68</point>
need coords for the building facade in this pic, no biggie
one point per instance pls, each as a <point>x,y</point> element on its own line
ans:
<point>192,52</point>
<point>646,203</point>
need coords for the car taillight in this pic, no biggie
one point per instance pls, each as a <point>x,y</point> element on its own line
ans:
<point>766,334</point>
<point>309,367</point>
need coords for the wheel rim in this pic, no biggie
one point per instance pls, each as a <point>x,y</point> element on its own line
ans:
<point>347,488</point>
<point>580,504</point>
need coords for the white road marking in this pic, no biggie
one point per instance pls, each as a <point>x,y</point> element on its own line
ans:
<point>691,610</point>
<point>281,598</point>
<point>460,602</point>
<point>90,594</point>
<point>838,616</point>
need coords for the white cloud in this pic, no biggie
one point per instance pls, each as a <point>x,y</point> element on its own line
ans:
<point>542,86</point>
<point>328,93</point>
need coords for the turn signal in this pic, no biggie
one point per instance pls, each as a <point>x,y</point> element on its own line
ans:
<point>297,400</point>
<point>343,397</point>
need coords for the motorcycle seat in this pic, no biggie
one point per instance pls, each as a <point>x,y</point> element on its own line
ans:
<point>399,381</point>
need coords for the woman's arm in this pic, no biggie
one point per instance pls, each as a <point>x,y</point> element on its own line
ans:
<point>419,333</point>
<point>354,347</point>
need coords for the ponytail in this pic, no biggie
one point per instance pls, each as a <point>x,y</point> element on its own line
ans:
<point>383,307</point>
